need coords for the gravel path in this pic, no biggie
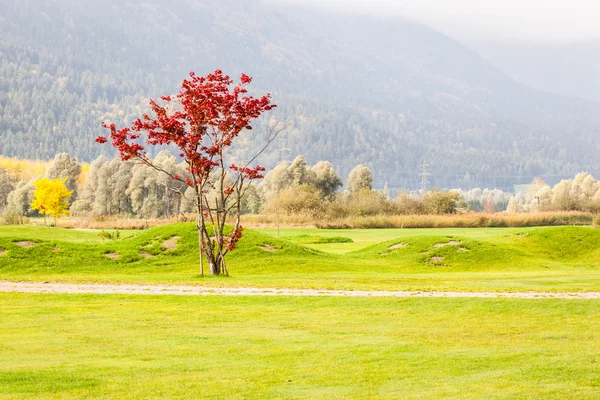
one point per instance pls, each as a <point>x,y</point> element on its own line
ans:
<point>90,288</point>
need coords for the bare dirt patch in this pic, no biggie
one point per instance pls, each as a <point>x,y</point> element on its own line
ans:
<point>55,249</point>
<point>171,244</point>
<point>269,248</point>
<point>113,256</point>
<point>398,246</point>
<point>436,260</point>
<point>146,255</point>
<point>462,250</point>
<point>451,243</point>
<point>2,252</point>
<point>26,244</point>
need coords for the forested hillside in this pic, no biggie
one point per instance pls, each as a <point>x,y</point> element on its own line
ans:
<point>388,93</point>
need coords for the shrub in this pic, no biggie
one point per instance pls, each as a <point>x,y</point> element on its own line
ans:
<point>438,203</point>
<point>368,202</point>
<point>336,209</point>
<point>409,205</point>
<point>100,218</point>
<point>303,199</point>
<point>109,236</point>
<point>12,217</point>
<point>81,208</point>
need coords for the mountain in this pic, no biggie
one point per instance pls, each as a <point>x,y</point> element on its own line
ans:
<point>386,92</point>
<point>571,69</point>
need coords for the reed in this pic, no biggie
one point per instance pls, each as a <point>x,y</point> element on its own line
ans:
<point>258,221</point>
<point>469,220</point>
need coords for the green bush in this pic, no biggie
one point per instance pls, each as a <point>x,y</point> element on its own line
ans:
<point>109,236</point>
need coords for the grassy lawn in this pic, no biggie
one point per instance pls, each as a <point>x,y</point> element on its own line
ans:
<point>516,259</point>
<point>58,234</point>
<point>59,346</point>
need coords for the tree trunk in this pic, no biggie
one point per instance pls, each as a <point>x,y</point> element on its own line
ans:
<point>215,267</point>
<point>201,247</point>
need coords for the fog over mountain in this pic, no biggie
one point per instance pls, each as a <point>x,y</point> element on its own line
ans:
<point>569,69</point>
<point>385,91</point>
<point>530,21</point>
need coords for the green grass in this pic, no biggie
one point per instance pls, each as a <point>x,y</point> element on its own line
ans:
<point>362,238</point>
<point>84,346</point>
<point>314,239</point>
<point>58,234</point>
<point>521,259</point>
<point>138,347</point>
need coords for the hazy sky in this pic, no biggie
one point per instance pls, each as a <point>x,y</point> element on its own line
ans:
<point>525,20</point>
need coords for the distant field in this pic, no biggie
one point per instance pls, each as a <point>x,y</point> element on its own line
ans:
<point>115,347</point>
<point>494,259</point>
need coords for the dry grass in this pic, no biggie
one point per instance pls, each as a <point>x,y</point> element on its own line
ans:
<point>469,220</point>
<point>258,221</point>
<point>115,222</point>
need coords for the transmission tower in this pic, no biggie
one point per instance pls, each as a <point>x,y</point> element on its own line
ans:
<point>285,151</point>
<point>424,175</point>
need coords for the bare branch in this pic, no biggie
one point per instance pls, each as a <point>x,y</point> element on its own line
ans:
<point>273,133</point>
<point>149,163</point>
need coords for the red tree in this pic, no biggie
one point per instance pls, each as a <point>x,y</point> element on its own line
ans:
<point>203,120</point>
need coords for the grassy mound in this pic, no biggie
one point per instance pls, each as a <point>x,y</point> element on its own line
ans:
<point>552,258</point>
<point>171,248</point>
<point>538,248</point>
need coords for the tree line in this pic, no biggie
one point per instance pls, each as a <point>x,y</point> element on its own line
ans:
<point>115,187</point>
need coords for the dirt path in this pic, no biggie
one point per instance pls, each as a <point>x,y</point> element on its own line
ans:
<point>90,288</point>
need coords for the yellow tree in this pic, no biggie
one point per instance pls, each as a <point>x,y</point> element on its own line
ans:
<point>50,197</point>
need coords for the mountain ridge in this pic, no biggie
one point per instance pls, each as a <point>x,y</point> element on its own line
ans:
<point>389,93</point>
